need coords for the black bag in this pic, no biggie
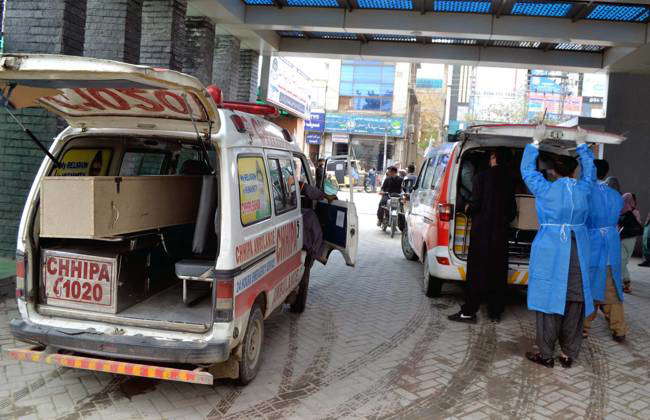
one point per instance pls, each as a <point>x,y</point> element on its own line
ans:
<point>629,226</point>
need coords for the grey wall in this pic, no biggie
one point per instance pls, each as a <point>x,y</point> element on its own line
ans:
<point>226,66</point>
<point>199,54</point>
<point>113,30</point>
<point>37,26</point>
<point>628,113</point>
<point>163,33</point>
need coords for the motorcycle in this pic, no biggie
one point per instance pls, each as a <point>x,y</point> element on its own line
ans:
<point>391,214</point>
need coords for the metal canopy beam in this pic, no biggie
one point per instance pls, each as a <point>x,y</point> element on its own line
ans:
<point>451,25</point>
<point>449,54</point>
<point>230,15</point>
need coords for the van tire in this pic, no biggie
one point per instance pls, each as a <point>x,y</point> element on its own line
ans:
<point>300,303</point>
<point>407,250</point>
<point>252,346</point>
<point>431,286</point>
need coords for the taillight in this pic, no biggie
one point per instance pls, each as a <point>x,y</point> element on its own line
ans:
<point>442,260</point>
<point>445,212</point>
<point>239,123</point>
<point>20,275</point>
<point>224,300</point>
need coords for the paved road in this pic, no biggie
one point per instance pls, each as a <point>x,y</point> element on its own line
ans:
<point>370,345</point>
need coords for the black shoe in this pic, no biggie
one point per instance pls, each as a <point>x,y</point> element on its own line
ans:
<point>495,318</point>
<point>645,263</point>
<point>537,358</point>
<point>460,317</point>
<point>565,361</point>
<point>618,338</point>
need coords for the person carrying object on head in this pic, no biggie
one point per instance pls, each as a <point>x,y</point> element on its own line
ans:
<point>492,208</point>
<point>605,205</point>
<point>558,284</point>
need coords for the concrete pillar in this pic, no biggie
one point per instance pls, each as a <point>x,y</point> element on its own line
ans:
<point>225,72</point>
<point>114,29</point>
<point>627,113</point>
<point>199,54</point>
<point>35,26</point>
<point>248,71</point>
<point>163,33</point>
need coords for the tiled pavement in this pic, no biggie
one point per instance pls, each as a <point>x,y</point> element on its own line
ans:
<point>370,345</point>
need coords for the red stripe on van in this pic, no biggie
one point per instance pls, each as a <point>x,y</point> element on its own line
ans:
<point>244,301</point>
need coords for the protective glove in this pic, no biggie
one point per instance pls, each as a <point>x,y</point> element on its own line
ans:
<point>539,134</point>
<point>581,137</point>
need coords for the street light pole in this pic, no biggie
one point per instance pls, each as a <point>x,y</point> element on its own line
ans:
<point>385,147</point>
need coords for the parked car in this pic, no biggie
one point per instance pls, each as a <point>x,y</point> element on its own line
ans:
<point>438,227</point>
<point>165,226</point>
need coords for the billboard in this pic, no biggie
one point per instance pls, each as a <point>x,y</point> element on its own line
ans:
<point>289,87</point>
<point>361,124</point>
<point>316,122</point>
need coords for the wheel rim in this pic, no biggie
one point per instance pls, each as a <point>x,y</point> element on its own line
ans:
<point>406,247</point>
<point>254,343</point>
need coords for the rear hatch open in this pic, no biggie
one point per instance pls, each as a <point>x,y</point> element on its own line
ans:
<point>93,93</point>
<point>478,139</point>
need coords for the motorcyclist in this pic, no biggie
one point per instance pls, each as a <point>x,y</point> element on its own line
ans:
<point>409,179</point>
<point>392,185</point>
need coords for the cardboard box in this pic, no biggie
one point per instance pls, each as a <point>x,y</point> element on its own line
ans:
<point>526,213</point>
<point>105,206</point>
<point>93,279</point>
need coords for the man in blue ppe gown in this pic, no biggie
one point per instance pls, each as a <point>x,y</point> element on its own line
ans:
<point>605,242</point>
<point>558,286</point>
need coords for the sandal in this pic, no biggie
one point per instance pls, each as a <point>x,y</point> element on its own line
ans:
<point>537,358</point>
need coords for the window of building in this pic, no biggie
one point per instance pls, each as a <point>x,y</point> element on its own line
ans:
<point>367,86</point>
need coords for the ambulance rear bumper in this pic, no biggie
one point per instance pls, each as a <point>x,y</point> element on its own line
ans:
<point>122,347</point>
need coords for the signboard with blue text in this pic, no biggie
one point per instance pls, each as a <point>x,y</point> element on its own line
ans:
<point>314,138</point>
<point>362,124</point>
<point>316,122</point>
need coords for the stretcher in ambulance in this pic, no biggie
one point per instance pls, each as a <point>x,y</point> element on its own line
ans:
<point>163,227</point>
<point>438,225</point>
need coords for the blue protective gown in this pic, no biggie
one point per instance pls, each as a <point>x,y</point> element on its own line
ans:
<point>605,207</point>
<point>562,209</point>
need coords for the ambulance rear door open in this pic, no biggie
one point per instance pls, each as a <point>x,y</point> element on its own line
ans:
<point>93,93</point>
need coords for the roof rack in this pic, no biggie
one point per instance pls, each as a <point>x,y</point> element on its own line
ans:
<point>248,107</point>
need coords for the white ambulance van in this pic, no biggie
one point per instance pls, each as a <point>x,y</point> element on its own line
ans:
<point>164,226</point>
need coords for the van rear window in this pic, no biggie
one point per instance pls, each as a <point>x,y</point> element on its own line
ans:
<point>85,162</point>
<point>142,163</point>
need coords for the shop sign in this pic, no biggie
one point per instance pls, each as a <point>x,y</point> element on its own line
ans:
<point>289,87</point>
<point>316,122</point>
<point>314,138</point>
<point>361,124</point>
<point>340,138</point>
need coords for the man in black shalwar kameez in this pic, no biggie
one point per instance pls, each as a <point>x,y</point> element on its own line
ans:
<point>493,208</point>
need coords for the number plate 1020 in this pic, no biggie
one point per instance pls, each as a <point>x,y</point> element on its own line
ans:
<point>79,281</point>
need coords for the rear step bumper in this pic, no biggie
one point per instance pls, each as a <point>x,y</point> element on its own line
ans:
<point>196,376</point>
<point>122,346</point>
